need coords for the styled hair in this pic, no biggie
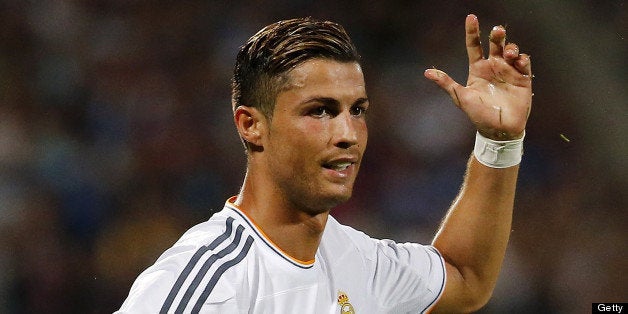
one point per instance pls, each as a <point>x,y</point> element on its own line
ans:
<point>263,62</point>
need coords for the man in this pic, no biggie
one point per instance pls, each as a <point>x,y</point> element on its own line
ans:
<point>299,102</point>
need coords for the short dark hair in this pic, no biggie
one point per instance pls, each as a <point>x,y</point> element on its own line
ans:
<point>261,64</point>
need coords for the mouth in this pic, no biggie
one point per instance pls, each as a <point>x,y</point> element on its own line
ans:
<point>338,166</point>
<point>341,166</point>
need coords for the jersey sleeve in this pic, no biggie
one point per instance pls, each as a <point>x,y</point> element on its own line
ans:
<point>198,273</point>
<point>148,292</point>
<point>408,276</point>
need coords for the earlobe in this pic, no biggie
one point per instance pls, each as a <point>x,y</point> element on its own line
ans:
<point>250,124</point>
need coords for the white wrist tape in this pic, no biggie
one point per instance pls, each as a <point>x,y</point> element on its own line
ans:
<point>498,154</point>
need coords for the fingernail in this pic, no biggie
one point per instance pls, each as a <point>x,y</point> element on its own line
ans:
<point>434,73</point>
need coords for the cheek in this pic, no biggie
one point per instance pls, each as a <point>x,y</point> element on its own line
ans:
<point>295,140</point>
<point>309,132</point>
<point>362,134</point>
<point>312,126</point>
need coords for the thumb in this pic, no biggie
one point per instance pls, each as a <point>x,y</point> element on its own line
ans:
<point>445,82</point>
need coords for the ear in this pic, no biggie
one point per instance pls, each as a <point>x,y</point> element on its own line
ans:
<point>251,125</point>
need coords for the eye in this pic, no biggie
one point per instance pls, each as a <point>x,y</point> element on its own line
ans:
<point>319,112</point>
<point>358,111</point>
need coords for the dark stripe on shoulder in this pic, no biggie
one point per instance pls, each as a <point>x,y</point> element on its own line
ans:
<point>268,244</point>
<point>221,270</point>
<point>203,270</point>
<point>195,258</point>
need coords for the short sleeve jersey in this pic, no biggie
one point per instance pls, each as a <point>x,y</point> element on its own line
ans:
<point>228,265</point>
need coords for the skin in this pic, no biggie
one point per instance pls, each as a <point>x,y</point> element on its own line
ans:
<point>289,189</point>
<point>475,231</point>
<point>318,122</point>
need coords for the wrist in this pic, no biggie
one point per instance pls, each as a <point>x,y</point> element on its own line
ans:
<point>498,154</point>
<point>501,136</point>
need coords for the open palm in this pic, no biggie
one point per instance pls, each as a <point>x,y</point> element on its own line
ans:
<point>498,94</point>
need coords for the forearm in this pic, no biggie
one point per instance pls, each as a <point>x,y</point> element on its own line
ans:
<point>474,234</point>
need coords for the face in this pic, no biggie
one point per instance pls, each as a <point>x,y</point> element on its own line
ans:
<point>318,134</point>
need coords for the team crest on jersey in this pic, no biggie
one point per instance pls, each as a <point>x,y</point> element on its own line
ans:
<point>345,306</point>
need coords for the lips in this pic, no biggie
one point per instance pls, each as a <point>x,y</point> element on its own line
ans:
<point>340,166</point>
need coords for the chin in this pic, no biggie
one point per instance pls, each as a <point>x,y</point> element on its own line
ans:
<point>333,200</point>
<point>323,199</point>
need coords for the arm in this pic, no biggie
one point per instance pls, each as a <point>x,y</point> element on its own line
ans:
<point>475,232</point>
<point>474,235</point>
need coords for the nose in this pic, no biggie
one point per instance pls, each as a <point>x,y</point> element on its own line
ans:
<point>345,133</point>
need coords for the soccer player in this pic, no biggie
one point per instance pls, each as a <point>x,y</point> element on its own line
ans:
<point>299,103</point>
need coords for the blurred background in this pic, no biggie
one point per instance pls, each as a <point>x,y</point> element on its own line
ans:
<point>116,136</point>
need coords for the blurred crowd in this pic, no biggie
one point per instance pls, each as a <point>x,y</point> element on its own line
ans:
<point>116,136</point>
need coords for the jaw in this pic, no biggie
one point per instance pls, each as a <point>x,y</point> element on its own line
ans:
<point>312,185</point>
<point>333,188</point>
<point>319,194</point>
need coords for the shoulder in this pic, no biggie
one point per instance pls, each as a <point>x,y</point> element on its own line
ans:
<point>334,229</point>
<point>404,276</point>
<point>185,275</point>
<point>339,237</point>
<point>371,247</point>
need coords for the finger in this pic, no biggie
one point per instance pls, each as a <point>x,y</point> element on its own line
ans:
<point>511,53</point>
<point>523,64</point>
<point>497,39</point>
<point>474,46</point>
<point>445,82</point>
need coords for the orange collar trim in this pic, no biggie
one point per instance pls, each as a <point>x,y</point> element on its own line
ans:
<point>300,263</point>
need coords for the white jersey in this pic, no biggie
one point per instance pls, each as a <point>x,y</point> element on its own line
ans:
<point>228,265</point>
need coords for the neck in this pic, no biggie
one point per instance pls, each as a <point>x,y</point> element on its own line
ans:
<point>296,231</point>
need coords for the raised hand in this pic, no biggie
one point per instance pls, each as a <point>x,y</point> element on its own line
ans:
<point>498,94</point>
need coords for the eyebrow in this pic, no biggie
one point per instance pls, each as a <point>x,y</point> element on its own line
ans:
<point>333,102</point>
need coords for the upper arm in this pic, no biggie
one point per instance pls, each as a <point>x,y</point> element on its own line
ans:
<point>458,296</point>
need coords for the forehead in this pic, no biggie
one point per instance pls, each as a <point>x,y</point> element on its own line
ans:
<point>325,74</point>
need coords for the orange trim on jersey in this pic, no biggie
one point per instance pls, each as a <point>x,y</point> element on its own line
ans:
<point>231,200</point>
